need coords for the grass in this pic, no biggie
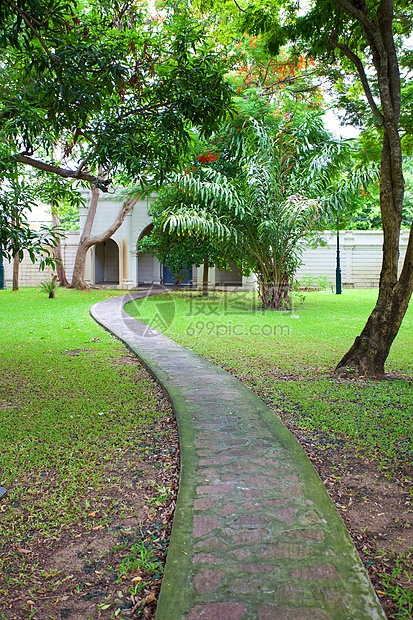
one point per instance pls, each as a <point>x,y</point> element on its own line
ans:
<point>271,350</point>
<point>398,585</point>
<point>73,414</point>
<point>73,411</point>
<point>287,358</point>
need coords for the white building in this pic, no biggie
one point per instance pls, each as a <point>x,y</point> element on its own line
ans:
<point>117,262</point>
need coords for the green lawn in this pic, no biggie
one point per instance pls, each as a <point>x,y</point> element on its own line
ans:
<point>271,350</point>
<point>78,415</point>
<point>358,432</point>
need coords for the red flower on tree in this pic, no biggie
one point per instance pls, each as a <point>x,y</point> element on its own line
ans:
<point>208,157</point>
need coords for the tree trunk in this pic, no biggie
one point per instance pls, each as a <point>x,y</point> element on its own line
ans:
<point>87,241</point>
<point>16,269</point>
<point>275,293</point>
<point>370,350</point>
<point>53,288</point>
<point>60,269</point>
<point>205,291</point>
<point>79,267</point>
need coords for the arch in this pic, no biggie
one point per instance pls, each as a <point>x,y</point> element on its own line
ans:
<point>147,265</point>
<point>106,263</point>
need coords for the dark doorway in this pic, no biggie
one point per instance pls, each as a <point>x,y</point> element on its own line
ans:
<point>107,262</point>
<point>168,276</point>
<point>228,277</point>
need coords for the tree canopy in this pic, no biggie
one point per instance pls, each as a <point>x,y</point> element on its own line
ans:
<point>259,191</point>
<point>360,49</point>
<point>106,86</point>
<point>97,91</point>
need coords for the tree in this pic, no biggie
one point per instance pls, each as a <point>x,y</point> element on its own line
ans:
<point>111,89</point>
<point>261,198</point>
<point>16,236</point>
<point>360,45</point>
<point>61,197</point>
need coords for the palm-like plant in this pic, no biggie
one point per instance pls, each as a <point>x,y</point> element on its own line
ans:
<point>265,212</point>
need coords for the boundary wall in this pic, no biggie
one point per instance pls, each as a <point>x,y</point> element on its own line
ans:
<point>31,275</point>
<point>360,254</point>
<point>360,258</point>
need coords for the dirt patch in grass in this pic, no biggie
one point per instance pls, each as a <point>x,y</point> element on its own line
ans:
<point>125,360</point>
<point>377,511</point>
<point>94,570</point>
<point>76,352</point>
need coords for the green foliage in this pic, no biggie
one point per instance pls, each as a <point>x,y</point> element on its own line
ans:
<point>16,199</point>
<point>316,283</point>
<point>408,192</point>
<point>141,556</point>
<point>277,178</point>
<point>88,92</point>
<point>69,217</point>
<point>366,216</point>
<point>120,89</point>
<point>398,585</point>
<point>341,37</point>
<point>49,286</point>
<point>184,245</point>
<point>63,198</point>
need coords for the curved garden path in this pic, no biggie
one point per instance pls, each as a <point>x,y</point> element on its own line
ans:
<point>255,534</point>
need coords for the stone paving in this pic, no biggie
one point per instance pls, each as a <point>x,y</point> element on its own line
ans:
<point>255,534</point>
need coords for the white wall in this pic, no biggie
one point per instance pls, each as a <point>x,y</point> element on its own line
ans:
<point>360,258</point>
<point>360,251</point>
<point>29,273</point>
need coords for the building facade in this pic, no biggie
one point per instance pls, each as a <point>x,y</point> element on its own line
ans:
<point>117,262</point>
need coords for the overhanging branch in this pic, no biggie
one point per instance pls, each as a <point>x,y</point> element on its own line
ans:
<point>26,20</point>
<point>77,175</point>
<point>362,74</point>
<point>124,210</point>
<point>361,16</point>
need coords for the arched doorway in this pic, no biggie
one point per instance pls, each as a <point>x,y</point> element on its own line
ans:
<point>107,262</point>
<point>148,266</point>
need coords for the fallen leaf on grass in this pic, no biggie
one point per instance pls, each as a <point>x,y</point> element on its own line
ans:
<point>24,551</point>
<point>148,599</point>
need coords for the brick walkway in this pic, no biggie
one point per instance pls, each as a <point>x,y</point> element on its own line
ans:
<point>255,534</point>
